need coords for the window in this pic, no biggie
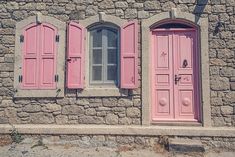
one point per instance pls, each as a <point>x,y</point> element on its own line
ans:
<point>104,51</point>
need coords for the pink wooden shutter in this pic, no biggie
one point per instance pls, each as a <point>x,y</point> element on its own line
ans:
<point>47,56</point>
<point>30,58</point>
<point>129,55</point>
<point>75,56</point>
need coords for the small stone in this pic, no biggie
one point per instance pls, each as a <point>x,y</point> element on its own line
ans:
<point>125,139</point>
<point>19,15</point>
<point>106,4</point>
<point>6,103</point>
<point>90,120</point>
<point>218,121</point>
<point>72,109</point>
<point>229,97</point>
<point>131,13</point>
<point>41,118</point>
<point>232,85</point>
<point>121,4</point>
<point>8,23</point>
<point>91,10</point>
<point>51,108</point>
<point>111,119</point>
<point>227,110</point>
<point>218,62</point>
<point>151,5</point>
<point>218,8</point>
<point>23,114</point>
<point>227,71</point>
<point>168,6</point>
<point>219,83</point>
<point>109,102</point>
<point>125,102</point>
<point>32,108</point>
<point>119,12</point>
<point>61,119</point>
<point>133,112</point>
<point>216,101</point>
<point>125,121</point>
<point>90,112</point>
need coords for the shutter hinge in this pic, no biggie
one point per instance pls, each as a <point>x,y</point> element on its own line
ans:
<point>21,38</point>
<point>57,38</point>
<point>20,78</point>
<point>56,78</point>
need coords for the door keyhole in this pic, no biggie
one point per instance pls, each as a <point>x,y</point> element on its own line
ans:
<point>185,63</point>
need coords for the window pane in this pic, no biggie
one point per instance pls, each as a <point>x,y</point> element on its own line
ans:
<point>112,73</point>
<point>97,56</point>
<point>112,38</point>
<point>112,56</point>
<point>97,73</point>
<point>97,38</point>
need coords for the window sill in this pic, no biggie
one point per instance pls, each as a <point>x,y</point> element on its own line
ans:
<point>28,93</point>
<point>102,92</point>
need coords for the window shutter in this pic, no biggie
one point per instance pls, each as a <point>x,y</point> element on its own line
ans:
<point>47,57</point>
<point>129,55</point>
<point>75,56</point>
<point>29,76</point>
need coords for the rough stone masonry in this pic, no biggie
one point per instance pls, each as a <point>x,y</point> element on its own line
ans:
<point>114,110</point>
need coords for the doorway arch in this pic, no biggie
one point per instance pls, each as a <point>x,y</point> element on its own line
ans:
<point>188,19</point>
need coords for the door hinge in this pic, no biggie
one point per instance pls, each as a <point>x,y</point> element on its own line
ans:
<point>56,78</point>
<point>21,38</point>
<point>57,38</point>
<point>20,78</point>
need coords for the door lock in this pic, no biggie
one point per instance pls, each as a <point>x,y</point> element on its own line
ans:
<point>177,79</point>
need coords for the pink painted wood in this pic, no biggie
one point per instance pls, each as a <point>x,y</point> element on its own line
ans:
<point>75,56</point>
<point>174,55</point>
<point>47,57</point>
<point>39,52</point>
<point>129,55</point>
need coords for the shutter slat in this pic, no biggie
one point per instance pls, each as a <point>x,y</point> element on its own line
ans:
<point>75,56</point>
<point>129,55</point>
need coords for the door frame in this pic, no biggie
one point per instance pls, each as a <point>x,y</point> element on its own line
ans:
<point>196,69</point>
<point>202,24</point>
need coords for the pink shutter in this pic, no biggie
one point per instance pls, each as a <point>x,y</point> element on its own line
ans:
<point>30,58</point>
<point>47,57</point>
<point>129,55</point>
<point>75,56</point>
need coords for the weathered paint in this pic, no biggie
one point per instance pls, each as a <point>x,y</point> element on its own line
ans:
<point>174,56</point>
<point>75,56</point>
<point>39,57</point>
<point>129,55</point>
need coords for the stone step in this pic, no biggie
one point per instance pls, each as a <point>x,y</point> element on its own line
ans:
<point>185,145</point>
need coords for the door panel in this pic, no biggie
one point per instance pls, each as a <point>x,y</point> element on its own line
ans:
<point>163,84</point>
<point>183,43</point>
<point>175,94</point>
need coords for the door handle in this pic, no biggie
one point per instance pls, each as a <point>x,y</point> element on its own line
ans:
<point>177,79</point>
<point>69,59</point>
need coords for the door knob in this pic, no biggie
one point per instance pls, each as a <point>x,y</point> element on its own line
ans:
<point>177,79</point>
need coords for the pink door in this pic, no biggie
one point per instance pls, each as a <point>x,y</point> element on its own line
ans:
<point>175,75</point>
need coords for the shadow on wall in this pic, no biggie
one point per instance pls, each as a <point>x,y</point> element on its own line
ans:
<point>200,6</point>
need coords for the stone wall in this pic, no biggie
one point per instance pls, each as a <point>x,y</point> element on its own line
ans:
<point>115,110</point>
